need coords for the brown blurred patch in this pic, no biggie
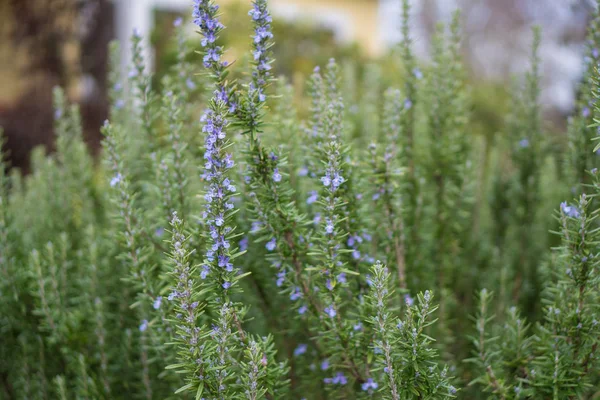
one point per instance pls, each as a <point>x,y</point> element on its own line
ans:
<point>48,43</point>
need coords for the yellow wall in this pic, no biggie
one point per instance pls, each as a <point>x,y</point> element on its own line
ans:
<point>362,15</point>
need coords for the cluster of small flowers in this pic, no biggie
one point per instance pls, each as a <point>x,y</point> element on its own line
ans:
<point>205,17</point>
<point>261,43</point>
<point>217,161</point>
<point>338,379</point>
<point>569,210</point>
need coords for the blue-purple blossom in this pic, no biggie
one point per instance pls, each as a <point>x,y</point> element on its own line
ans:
<point>157,302</point>
<point>204,272</point>
<point>329,226</point>
<point>256,226</point>
<point>568,210</point>
<point>332,179</point>
<point>302,310</point>
<point>301,349</point>
<point>226,285</point>
<point>317,218</point>
<point>585,112</point>
<point>190,84</point>
<point>296,294</point>
<point>325,364</point>
<point>271,244</point>
<point>276,175</point>
<point>224,262</point>
<point>280,278</point>
<point>358,326</point>
<point>143,326</point>
<point>330,310</point>
<point>314,196</point>
<point>369,384</point>
<point>417,73</point>
<point>524,143</point>
<point>354,239</point>
<point>260,54</point>
<point>178,21</point>
<point>328,284</point>
<point>338,379</point>
<point>205,17</point>
<point>116,179</point>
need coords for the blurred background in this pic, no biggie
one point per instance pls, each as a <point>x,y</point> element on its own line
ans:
<point>44,43</point>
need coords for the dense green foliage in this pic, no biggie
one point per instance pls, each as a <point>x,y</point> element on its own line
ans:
<point>289,244</point>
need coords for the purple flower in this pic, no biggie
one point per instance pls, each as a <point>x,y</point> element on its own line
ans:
<point>143,326</point>
<point>325,364</point>
<point>226,285</point>
<point>157,302</point>
<point>585,112</point>
<point>330,310</point>
<point>271,244</point>
<point>317,218</point>
<point>301,349</point>
<point>276,175</point>
<point>303,171</point>
<point>296,294</point>
<point>329,226</point>
<point>177,22</point>
<point>190,84</point>
<point>256,226</point>
<point>338,379</point>
<point>223,262</point>
<point>524,143</point>
<point>302,310</point>
<point>116,179</point>
<point>314,196</point>
<point>417,73</point>
<point>369,384</point>
<point>328,284</point>
<point>262,35</point>
<point>356,254</point>
<point>407,104</point>
<point>205,271</point>
<point>280,278</point>
<point>358,326</point>
<point>568,210</point>
<point>408,300</point>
